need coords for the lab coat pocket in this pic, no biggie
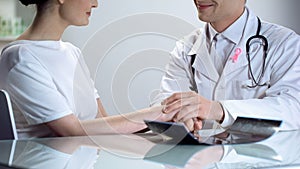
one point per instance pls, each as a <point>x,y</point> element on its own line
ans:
<point>243,91</point>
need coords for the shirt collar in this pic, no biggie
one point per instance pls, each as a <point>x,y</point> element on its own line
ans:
<point>211,32</point>
<point>234,32</point>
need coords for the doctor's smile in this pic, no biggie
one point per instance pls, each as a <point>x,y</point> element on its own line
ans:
<point>203,6</point>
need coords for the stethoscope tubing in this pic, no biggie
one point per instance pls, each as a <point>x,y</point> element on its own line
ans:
<point>256,82</point>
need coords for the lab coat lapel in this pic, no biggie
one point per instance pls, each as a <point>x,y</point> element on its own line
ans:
<point>203,62</point>
<point>242,62</point>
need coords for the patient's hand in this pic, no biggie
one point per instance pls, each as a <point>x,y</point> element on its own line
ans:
<point>193,125</point>
<point>191,105</point>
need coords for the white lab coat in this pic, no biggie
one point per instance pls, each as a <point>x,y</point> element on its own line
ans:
<point>280,101</point>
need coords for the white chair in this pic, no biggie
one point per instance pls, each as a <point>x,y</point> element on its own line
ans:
<point>7,122</point>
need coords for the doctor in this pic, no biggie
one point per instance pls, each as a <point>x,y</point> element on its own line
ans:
<point>235,66</point>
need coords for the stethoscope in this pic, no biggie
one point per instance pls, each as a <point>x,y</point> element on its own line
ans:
<point>256,81</point>
<point>264,43</point>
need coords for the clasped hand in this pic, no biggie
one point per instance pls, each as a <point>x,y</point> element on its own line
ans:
<point>192,108</point>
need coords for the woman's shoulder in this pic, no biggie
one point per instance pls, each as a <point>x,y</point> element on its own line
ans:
<point>25,45</point>
<point>11,47</point>
<point>16,53</point>
<point>37,47</point>
<point>13,50</point>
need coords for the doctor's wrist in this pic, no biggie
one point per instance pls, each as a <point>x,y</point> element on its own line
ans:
<point>217,111</point>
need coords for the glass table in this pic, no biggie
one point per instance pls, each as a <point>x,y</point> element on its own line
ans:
<point>148,151</point>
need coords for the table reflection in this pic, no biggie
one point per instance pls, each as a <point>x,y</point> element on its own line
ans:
<point>148,151</point>
<point>280,150</point>
<point>61,153</point>
<point>73,152</point>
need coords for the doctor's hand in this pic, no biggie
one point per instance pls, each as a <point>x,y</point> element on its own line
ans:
<point>190,105</point>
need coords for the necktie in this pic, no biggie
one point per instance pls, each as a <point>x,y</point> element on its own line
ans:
<point>215,54</point>
<point>220,50</point>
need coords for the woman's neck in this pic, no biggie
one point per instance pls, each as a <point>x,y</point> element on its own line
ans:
<point>45,27</point>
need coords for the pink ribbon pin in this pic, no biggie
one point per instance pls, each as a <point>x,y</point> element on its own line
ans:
<point>236,55</point>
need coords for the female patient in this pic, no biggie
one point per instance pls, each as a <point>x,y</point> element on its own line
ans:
<point>49,83</point>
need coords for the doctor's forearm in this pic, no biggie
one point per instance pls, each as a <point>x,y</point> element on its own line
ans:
<point>269,108</point>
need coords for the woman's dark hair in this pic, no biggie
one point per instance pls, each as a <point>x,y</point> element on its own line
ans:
<point>29,2</point>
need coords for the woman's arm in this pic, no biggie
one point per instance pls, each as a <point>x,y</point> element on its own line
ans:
<point>126,123</point>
